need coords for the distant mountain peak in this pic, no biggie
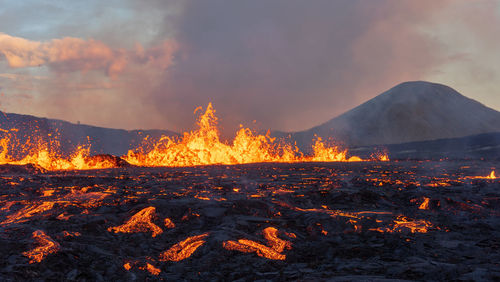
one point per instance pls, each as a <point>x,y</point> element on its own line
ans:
<point>408,112</point>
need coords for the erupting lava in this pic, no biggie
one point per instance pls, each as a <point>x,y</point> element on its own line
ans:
<point>47,246</point>
<point>204,147</point>
<point>40,154</point>
<point>199,147</point>
<point>490,176</point>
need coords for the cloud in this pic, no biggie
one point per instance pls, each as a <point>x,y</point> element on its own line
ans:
<point>288,64</point>
<point>75,54</point>
<point>293,64</point>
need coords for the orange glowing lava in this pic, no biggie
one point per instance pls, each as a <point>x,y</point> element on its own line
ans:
<point>425,204</point>
<point>139,222</point>
<point>402,223</point>
<point>28,211</point>
<point>39,153</point>
<point>279,245</point>
<point>47,246</point>
<point>490,176</point>
<point>273,251</point>
<point>168,223</point>
<point>183,249</point>
<point>151,269</point>
<point>204,147</point>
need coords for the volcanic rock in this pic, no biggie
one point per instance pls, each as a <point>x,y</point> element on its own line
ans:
<point>20,169</point>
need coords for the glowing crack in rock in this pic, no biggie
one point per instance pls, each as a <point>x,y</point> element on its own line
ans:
<point>47,246</point>
<point>402,223</point>
<point>184,249</point>
<point>273,251</point>
<point>139,222</point>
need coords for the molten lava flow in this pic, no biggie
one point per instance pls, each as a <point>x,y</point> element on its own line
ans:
<point>271,235</point>
<point>203,147</point>
<point>139,222</point>
<point>274,251</point>
<point>25,213</point>
<point>47,246</point>
<point>183,249</point>
<point>425,204</point>
<point>249,246</point>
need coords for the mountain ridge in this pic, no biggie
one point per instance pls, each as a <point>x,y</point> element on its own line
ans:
<point>408,112</point>
<point>102,140</point>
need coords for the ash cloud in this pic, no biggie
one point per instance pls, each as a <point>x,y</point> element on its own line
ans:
<point>287,64</point>
<point>293,64</point>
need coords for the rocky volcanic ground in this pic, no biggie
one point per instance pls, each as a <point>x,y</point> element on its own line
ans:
<point>367,221</point>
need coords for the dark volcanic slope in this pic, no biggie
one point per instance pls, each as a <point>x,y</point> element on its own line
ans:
<point>408,112</point>
<point>481,146</point>
<point>103,140</point>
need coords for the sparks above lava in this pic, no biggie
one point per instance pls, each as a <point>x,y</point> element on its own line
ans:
<point>202,146</point>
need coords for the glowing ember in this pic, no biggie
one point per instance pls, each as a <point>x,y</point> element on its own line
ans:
<point>274,251</point>
<point>47,246</point>
<point>153,270</point>
<point>71,234</point>
<point>402,223</point>
<point>169,223</point>
<point>139,222</point>
<point>183,249</point>
<point>425,204</point>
